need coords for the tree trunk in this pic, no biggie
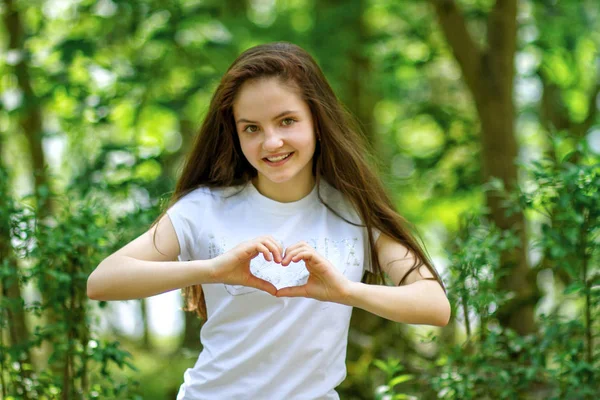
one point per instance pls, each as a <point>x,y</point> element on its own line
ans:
<point>16,322</point>
<point>145,325</point>
<point>30,121</point>
<point>517,314</point>
<point>31,114</point>
<point>489,76</point>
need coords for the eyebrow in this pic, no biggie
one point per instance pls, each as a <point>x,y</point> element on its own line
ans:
<point>276,117</point>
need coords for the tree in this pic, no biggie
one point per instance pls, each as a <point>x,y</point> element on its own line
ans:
<point>488,71</point>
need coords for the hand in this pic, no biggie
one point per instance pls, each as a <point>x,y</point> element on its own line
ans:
<point>233,266</point>
<point>325,282</point>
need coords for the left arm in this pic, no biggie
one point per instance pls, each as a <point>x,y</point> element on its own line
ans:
<point>422,302</point>
<point>419,301</point>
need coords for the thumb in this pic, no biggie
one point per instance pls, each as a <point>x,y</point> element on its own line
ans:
<point>291,291</point>
<point>263,285</point>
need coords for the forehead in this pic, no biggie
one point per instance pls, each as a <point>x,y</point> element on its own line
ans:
<point>266,97</point>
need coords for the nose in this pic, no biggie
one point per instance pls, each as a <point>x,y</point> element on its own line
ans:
<point>272,140</point>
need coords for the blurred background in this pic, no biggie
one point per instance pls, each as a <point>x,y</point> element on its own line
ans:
<point>483,118</point>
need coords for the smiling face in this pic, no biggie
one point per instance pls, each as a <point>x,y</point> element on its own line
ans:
<point>272,121</point>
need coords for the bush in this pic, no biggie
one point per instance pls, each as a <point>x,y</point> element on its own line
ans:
<point>55,256</point>
<point>557,362</point>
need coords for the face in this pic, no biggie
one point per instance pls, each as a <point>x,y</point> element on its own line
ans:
<point>272,121</point>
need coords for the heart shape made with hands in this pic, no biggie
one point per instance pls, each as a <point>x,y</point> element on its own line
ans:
<point>279,276</point>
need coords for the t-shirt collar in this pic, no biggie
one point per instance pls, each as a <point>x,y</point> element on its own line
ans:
<point>276,207</point>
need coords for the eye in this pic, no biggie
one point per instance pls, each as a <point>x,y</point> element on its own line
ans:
<point>251,128</point>
<point>288,121</point>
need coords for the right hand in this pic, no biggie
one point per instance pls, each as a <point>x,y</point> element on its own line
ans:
<point>233,266</point>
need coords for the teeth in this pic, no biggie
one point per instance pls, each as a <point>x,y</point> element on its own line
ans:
<point>275,159</point>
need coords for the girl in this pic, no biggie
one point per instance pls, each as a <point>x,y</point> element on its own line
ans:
<point>275,220</point>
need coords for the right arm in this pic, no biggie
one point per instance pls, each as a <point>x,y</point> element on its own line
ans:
<point>139,270</point>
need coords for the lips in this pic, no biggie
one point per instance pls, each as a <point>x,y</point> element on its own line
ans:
<point>279,155</point>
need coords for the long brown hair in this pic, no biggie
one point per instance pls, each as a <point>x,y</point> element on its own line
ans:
<point>216,159</point>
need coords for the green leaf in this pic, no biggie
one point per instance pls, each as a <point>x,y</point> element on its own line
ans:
<point>381,365</point>
<point>575,287</point>
<point>400,379</point>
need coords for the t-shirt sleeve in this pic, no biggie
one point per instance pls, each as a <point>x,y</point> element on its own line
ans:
<point>376,233</point>
<point>187,218</point>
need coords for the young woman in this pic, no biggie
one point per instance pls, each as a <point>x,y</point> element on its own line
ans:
<point>276,220</point>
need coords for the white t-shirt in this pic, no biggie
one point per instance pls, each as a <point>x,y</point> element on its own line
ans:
<point>257,346</point>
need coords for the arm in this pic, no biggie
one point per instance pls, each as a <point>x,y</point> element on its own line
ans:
<point>140,270</point>
<point>420,301</point>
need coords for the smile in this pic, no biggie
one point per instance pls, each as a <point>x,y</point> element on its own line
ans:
<point>275,161</point>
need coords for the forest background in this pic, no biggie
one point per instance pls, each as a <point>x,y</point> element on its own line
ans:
<point>483,117</point>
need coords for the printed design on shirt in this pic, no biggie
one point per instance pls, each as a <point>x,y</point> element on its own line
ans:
<point>341,254</point>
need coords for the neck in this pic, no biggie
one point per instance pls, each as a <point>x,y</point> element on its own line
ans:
<point>285,192</point>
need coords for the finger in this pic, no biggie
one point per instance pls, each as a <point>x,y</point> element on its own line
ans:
<point>270,245</point>
<point>312,262</point>
<point>274,248</point>
<point>293,250</point>
<point>264,250</point>
<point>303,255</point>
<point>289,255</point>
<point>295,247</point>
<point>278,244</point>
<point>280,247</point>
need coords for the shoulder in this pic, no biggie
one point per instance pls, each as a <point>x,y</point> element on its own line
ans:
<point>344,206</point>
<point>203,198</point>
<point>207,192</point>
<point>339,202</point>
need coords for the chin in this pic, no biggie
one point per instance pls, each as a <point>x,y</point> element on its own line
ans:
<point>278,180</point>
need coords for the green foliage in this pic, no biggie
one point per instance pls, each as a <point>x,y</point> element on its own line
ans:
<point>60,252</point>
<point>394,378</point>
<point>559,361</point>
<point>125,85</point>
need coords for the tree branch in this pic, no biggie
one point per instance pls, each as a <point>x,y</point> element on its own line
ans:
<point>465,50</point>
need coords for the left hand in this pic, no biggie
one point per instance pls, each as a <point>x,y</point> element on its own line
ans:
<point>325,282</point>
